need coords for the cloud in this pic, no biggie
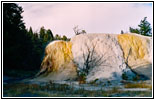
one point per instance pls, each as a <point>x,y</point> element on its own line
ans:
<point>93,17</point>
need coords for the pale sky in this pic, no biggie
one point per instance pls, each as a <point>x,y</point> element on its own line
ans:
<point>95,17</point>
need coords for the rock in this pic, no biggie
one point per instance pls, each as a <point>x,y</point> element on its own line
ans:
<point>57,63</point>
<point>137,51</point>
<point>107,47</point>
<point>108,55</point>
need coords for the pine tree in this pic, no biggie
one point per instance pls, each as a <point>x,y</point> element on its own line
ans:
<point>144,28</point>
<point>17,44</point>
<point>42,32</point>
<point>50,35</point>
<point>57,37</point>
<point>30,31</point>
<point>64,38</point>
<point>122,32</point>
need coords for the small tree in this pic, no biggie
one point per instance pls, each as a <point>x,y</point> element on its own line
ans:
<point>57,37</point>
<point>122,32</point>
<point>144,28</point>
<point>91,60</point>
<point>83,32</point>
<point>64,38</point>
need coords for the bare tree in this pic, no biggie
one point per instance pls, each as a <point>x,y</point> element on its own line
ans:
<point>78,31</point>
<point>91,60</point>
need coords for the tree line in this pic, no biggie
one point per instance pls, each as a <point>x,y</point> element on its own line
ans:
<point>23,49</point>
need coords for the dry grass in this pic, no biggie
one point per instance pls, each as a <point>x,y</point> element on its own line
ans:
<point>138,85</point>
<point>64,90</point>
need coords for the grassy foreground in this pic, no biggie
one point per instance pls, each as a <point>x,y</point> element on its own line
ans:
<point>64,90</point>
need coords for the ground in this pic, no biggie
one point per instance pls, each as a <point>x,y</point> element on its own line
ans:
<point>18,88</point>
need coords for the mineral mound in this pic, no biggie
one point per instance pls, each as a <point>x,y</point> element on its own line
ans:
<point>107,55</point>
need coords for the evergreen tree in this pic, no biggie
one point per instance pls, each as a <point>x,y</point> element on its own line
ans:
<point>144,28</point>
<point>17,44</point>
<point>30,31</point>
<point>22,49</point>
<point>122,32</point>
<point>46,38</point>
<point>50,34</point>
<point>42,32</point>
<point>57,37</point>
<point>64,38</point>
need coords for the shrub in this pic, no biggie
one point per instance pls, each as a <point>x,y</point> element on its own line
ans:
<point>124,76</point>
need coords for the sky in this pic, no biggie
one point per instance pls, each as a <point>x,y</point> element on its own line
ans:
<point>96,17</point>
